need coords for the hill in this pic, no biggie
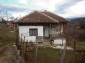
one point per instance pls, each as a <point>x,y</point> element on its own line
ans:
<point>77,20</point>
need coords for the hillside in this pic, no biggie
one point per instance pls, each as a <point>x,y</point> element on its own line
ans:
<point>76,20</point>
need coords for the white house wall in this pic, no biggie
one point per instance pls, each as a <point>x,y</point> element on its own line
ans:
<point>58,29</point>
<point>59,41</point>
<point>46,32</point>
<point>25,31</point>
<point>61,28</point>
<point>53,31</point>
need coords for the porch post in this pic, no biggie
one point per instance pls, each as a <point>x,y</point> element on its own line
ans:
<point>61,33</point>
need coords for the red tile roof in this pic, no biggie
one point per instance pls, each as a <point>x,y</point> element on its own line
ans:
<point>41,17</point>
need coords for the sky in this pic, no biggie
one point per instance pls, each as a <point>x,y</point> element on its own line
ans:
<point>64,8</point>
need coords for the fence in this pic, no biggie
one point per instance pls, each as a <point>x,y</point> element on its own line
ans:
<point>33,53</point>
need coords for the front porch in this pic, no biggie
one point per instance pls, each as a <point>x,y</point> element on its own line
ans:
<point>51,40</point>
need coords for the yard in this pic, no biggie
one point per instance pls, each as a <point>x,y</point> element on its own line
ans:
<point>44,55</point>
<point>49,55</point>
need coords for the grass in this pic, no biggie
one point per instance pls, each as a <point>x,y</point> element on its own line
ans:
<point>6,37</point>
<point>47,55</point>
<point>80,45</point>
<point>50,55</point>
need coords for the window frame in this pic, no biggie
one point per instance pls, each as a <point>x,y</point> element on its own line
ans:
<point>33,32</point>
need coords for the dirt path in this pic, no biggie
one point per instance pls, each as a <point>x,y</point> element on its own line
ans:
<point>8,54</point>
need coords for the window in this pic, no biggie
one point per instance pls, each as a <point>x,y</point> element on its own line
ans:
<point>33,32</point>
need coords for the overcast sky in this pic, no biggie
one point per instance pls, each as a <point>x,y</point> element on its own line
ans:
<point>65,8</point>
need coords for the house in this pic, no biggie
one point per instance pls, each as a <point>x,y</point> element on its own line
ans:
<point>41,27</point>
<point>10,25</point>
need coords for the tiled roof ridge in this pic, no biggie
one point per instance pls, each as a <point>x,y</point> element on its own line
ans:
<point>49,17</point>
